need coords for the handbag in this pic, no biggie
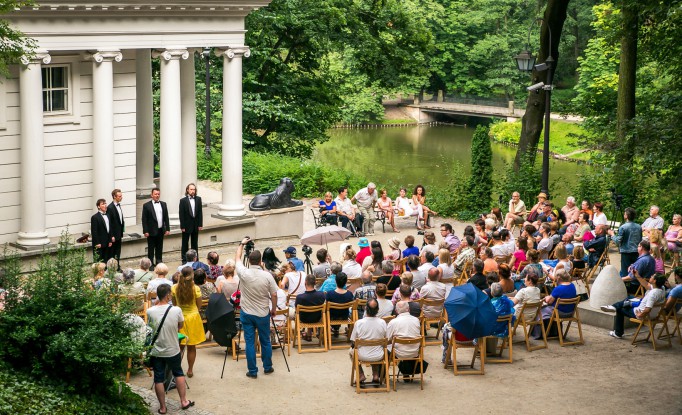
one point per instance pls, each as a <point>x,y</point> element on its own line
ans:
<point>150,340</point>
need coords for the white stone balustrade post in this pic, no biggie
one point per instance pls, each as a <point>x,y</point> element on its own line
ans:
<point>232,204</point>
<point>171,130</point>
<point>32,225</point>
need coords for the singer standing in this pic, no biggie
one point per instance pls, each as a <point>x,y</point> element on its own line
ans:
<point>155,225</point>
<point>191,220</point>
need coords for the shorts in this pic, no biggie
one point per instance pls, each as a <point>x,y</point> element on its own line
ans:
<point>159,364</point>
<point>519,220</point>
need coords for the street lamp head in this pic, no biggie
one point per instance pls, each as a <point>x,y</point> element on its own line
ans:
<point>206,52</point>
<point>525,61</point>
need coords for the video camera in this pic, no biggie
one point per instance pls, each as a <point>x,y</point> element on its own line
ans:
<point>307,250</point>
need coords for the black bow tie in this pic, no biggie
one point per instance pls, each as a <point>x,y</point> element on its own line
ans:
<point>191,197</point>
<point>118,204</point>
<point>157,202</point>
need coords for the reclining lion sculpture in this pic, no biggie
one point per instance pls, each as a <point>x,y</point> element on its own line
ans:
<point>277,199</point>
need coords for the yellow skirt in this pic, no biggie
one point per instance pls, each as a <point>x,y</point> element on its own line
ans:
<point>193,328</point>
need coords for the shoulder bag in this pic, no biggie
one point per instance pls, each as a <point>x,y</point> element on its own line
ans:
<point>149,342</point>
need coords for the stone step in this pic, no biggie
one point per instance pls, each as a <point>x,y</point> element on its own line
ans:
<point>598,318</point>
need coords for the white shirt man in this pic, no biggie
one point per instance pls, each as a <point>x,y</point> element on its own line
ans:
<point>432,290</point>
<point>652,222</point>
<point>404,325</point>
<point>366,198</point>
<point>369,328</point>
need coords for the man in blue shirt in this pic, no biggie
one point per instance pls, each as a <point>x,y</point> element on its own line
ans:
<point>595,247</point>
<point>645,265</point>
<point>290,255</point>
<point>629,235</point>
<point>330,283</point>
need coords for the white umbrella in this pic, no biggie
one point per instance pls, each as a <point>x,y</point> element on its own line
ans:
<point>325,234</point>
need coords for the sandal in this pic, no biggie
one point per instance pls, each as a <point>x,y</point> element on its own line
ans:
<point>162,413</point>
<point>191,403</point>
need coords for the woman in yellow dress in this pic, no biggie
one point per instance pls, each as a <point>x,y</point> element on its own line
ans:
<point>187,296</point>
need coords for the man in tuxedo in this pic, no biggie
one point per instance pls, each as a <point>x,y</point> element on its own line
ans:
<point>117,223</point>
<point>191,220</point>
<point>155,225</point>
<point>102,238</point>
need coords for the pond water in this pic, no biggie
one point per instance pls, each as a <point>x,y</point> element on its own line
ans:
<point>405,156</point>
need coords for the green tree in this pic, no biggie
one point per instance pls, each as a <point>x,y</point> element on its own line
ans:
<point>481,181</point>
<point>13,43</point>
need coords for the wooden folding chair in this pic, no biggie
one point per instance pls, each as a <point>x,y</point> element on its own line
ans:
<point>400,262</point>
<point>321,325</point>
<point>388,319</point>
<point>502,259</point>
<point>355,372</point>
<point>651,324</point>
<point>675,317</point>
<point>506,342</point>
<point>578,274</point>
<point>360,304</point>
<point>529,317</point>
<point>640,292</point>
<point>145,305</point>
<point>418,359</point>
<point>464,276</point>
<point>573,317</point>
<point>451,355</point>
<point>284,329</point>
<point>350,306</point>
<point>427,321</point>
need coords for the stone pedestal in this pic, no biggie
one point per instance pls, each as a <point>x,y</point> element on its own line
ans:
<point>607,289</point>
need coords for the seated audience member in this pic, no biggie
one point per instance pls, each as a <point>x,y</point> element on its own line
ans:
<point>412,264</point>
<point>534,267</point>
<point>566,290</point>
<point>517,211</point>
<point>578,260</point>
<point>503,307</point>
<point>366,291</point>
<point>545,243</point>
<point>644,267</point>
<point>387,277</point>
<point>595,247</point>
<point>132,289</point>
<point>385,306</point>
<point>369,328</point>
<point>405,293</point>
<point>396,254</point>
<point>490,278</point>
<point>571,212</point>
<point>322,269</point>
<point>193,262</point>
<point>330,283</point>
<point>519,255</point>
<point>385,205</point>
<point>429,243</point>
<point>536,209</point>
<point>586,207</point>
<point>406,279</point>
<point>98,269</point>
<point>310,297</point>
<point>228,283</point>
<point>327,208</point>
<point>206,288</point>
<point>478,279</point>
<point>112,273</point>
<point>161,270</point>
<point>583,232</point>
<point>293,283</point>
<point>143,274</point>
<point>350,266</point>
<point>407,326</point>
<point>419,276</point>
<point>505,278</point>
<point>410,249</point>
<point>449,237</point>
<point>373,262</point>
<point>432,290</point>
<point>527,233</point>
<point>466,255</point>
<point>658,259</point>
<point>481,237</point>
<point>214,270</point>
<point>339,296</point>
<point>676,292</point>
<point>489,264</point>
<point>347,212</point>
<point>673,236</point>
<point>563,261</point>
<point>554,234</point>
<point>654,221</point>
<point>445,266</point>
<point>598,216</point>
<point>637,309</point>
<point>529,293</point>
<point>364,252</point>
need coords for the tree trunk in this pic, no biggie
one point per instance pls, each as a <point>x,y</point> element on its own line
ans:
<point>532,121</point>
<point>627,74</point>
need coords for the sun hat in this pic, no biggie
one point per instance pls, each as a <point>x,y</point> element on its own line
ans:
<point>542,195</point>
<point>394,243</point>
<point>363,242</point>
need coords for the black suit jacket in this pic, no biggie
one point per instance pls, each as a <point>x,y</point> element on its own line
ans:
<point>117,228</point>
<point>100,235</point>
<point>149,223</point>
<point>188,222</point>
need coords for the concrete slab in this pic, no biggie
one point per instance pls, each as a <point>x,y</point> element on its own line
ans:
<point>598,318</point>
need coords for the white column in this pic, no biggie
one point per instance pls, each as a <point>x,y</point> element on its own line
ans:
<point>189,121</point>
<point>103,122</point>
<point>144,145</point>
<point>170,131</point>
<point>32,228</point>
<point>232,204</point>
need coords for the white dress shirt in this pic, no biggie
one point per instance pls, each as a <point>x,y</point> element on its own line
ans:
<point>159,213</point>
<point>106,220</point>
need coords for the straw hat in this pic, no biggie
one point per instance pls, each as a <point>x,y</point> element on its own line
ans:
<point>394,243</point>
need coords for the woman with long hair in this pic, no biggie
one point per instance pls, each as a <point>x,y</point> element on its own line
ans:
<point>385,205</point>
<point>419,200</point>
<point>375,259</point>
<point>187,296</point>
<point>271,261</point>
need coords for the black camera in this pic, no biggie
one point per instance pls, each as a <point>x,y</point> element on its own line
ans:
<point>307,250</point>
<point>249,245</point>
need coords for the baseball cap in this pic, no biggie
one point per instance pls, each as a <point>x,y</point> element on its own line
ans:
<point>290,250</point>
<point>363,242</point>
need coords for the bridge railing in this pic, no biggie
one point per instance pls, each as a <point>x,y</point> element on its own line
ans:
<point>488,102</point>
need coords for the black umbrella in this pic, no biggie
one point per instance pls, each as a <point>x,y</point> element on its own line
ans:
<point>220,316</point>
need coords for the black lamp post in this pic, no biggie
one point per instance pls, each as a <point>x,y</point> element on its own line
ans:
<point>526,63</point>
<point>206,53</point>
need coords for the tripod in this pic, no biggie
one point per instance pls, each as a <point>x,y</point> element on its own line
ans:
<point>308,264</point>
<point>616,212</point>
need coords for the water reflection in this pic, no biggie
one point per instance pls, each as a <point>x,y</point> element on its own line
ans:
<point>406,156</point>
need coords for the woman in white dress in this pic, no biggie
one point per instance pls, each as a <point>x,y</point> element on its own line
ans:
<point>402,203</point>
<point>350,266</point>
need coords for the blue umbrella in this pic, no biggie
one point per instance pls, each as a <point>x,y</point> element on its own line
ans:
<point>470,311</point>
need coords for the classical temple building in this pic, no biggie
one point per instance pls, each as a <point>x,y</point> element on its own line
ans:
<point>76,116</point>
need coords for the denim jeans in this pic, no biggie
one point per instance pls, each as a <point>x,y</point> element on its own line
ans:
<point>622,311</point>
<point>250,324</point>
<point>627,259</point>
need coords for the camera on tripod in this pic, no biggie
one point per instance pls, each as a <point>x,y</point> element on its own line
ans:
<point>307,251</point>
<point>617,198</point>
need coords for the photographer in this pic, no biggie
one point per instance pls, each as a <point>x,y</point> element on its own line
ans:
<point>258,303</point>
